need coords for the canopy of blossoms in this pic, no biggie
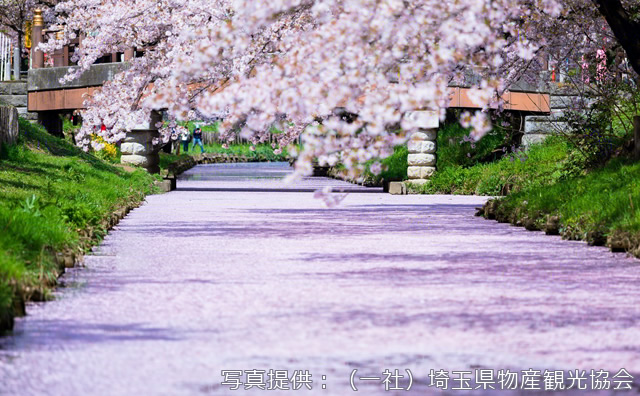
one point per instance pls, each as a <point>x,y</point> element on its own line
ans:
<point>302,64</point>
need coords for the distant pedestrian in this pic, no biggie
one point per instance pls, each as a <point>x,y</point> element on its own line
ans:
<point>184,138</point>
<point>197,139</point>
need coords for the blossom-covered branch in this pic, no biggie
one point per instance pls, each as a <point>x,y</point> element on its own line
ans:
<point>299,64</point>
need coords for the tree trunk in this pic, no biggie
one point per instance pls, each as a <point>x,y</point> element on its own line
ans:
<point>624,28</point>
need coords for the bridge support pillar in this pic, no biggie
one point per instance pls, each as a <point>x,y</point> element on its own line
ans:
<point>138,148</point>
<point>51,121</point>
<point>422,146</point>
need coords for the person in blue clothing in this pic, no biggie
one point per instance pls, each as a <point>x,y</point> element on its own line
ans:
<point>197,139</point>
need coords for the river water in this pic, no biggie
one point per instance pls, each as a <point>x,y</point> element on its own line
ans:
<point>237,272</point>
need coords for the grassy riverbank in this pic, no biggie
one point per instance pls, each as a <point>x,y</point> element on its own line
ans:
<point>542,165</point>
<point>552,187</point>
<point>601,207</point>
<point>55,203</point>
<point>262,152</point>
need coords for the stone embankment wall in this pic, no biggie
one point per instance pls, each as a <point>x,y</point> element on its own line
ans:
<point>8,125</point>
<point>539,127</point>
<point>14,93</point>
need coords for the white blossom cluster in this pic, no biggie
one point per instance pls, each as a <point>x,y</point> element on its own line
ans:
<point>345,72</point>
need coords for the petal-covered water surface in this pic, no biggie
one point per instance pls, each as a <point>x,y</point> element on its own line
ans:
<point>236,271</point>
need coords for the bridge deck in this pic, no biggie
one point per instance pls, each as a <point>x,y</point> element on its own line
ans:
<point>267,177</point>
<point>47,94</point>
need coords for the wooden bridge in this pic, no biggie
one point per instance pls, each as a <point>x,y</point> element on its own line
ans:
<point>49,98</point>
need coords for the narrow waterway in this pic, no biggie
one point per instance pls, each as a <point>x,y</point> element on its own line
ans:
<point>237,271</point>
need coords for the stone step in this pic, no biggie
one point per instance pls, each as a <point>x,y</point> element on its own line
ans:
<point>13,88</point>
<point>565,102</point>
<point>14,100</point>
<point>545,127</point>
<point>24,113</point>
<point>561,102</point>
<point>421,159</point>
<point>556,116</point>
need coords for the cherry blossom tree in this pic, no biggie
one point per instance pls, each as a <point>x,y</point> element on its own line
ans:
<point>622,18</point>
<point>302,65</point>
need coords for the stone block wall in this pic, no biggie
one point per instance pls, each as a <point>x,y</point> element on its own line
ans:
<point>14,93</point>
<point>537,128</point>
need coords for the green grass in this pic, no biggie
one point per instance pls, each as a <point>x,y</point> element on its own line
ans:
<point>262,152</point>
<point>454,153</point>
<point>191,125</point>
<point>394,167</point>
<point>454,150</point>
<point>604,200</point>
<point>542,165</point>
<point>550,180</point>
<point>51,192</point>
<point>167,160</point>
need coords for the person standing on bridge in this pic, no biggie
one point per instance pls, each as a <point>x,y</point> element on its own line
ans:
<point>197,139</point>
<point>185,137</point>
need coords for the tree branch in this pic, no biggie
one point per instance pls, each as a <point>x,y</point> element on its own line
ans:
<point>624,28</point>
